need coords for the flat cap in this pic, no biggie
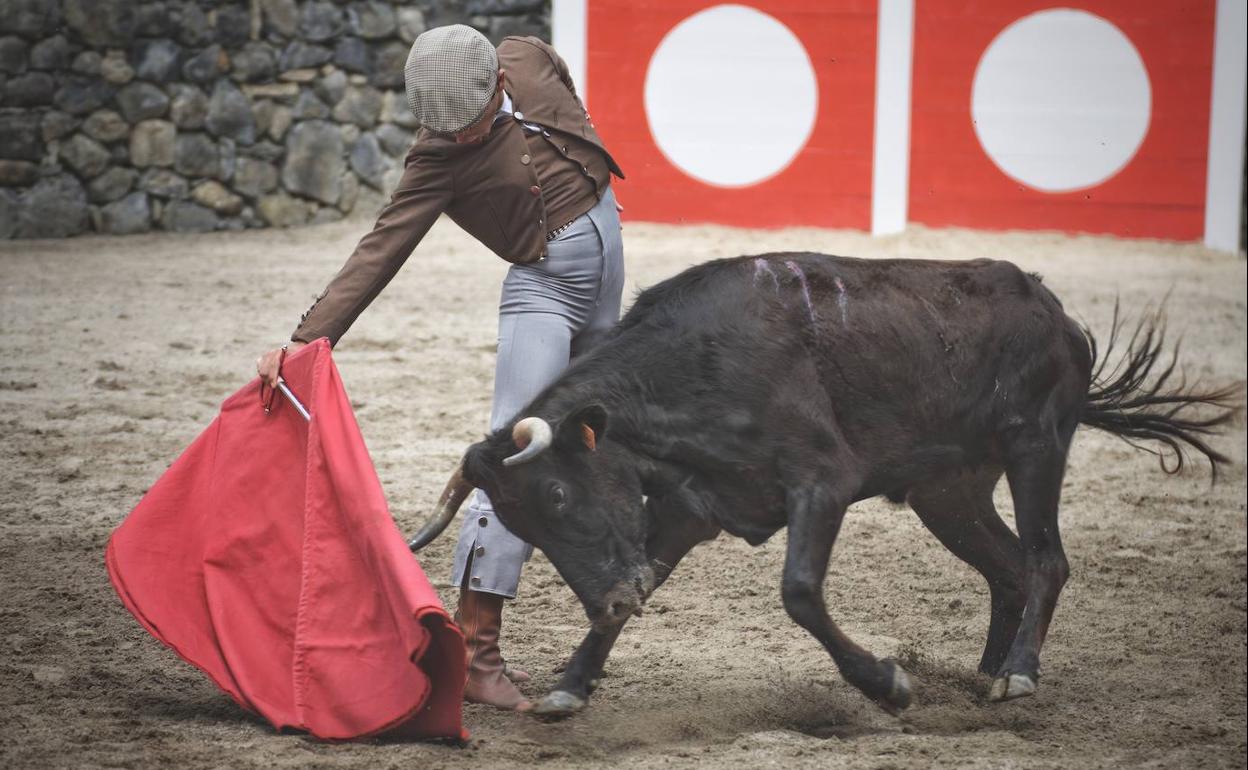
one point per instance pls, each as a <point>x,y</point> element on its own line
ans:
<point>451,74</point>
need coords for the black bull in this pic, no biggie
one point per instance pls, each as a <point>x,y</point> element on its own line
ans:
<point>756,393</point>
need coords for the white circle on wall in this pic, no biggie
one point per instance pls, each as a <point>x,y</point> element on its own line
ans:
<point>730,96</point>
<point>1061,100</point>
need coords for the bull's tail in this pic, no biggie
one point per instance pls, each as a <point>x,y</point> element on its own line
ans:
<point>1145,397</point>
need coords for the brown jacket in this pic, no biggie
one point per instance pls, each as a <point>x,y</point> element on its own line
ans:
<point>490,189</point>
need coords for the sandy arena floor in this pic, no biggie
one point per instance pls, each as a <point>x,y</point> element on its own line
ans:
<point>116,353</point>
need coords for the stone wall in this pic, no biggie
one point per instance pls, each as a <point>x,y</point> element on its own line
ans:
<point>122,116</point>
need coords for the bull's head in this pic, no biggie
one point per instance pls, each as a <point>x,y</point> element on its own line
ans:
<point>571,493</point>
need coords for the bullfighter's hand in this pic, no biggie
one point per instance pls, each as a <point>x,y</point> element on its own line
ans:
<point>267,365</point>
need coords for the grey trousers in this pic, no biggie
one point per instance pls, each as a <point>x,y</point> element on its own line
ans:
<point>550,312</point>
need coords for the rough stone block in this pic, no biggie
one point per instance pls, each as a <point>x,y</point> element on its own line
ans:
<point>217,197</point>
<point>256,62</point>
<point>56,124</point>
<point>232,25</point>
<point>51,54</point>
<point>115,69</point>
<point>105,126</point>
<point>395,109</point>
<point>141,101</point>
<point>503,7</point>
<point>164,183</point>
<point>332,86</point>
<point>194,29</point>
<point>189,108</point>
<point>229,113</point>
<point>56,207</point>
<point>388,62</point>
<point>411,24</point>
<point>372,20</point>
<point>308,107</point>
<point>299,55</point>
<point>14,53</point>
<point>282,210</point>
<point>320,20</point>
<point>85,156</point>
<point>30,90</point>
<point>281,17</point>
<point>157,60</point>
<point>155,20</point>
<point>196,155</point>
<point>152,143</point>
<point>132,214</point>
<point>353,55</point>
<point>79,95</point>
<point>111,185</point>
<point>281,92</point>
<point>368,161</point>
<point>20,135</point>
<point>18,173</point>
<point>360,105</point>
<point>280,123</point>
<point>207,65</point>
<point>29,18</point>
<point>314,163</point>
<point>301,76</point>
<point>9,206</point>
<point>187,217</point>
<point>350,192</point>
<point>253,177</point>
<point>102,23</point>
<point>87,63</point>
<point>263,150</point>
<point>394,140</point>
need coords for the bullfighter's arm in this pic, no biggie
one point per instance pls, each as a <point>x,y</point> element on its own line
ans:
<point>423,193</point>
<point>560,65</point>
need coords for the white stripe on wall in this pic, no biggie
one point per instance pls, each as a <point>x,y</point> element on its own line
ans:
<point>1224,185</point>
<point>890,173</point>
<point>569,22</point>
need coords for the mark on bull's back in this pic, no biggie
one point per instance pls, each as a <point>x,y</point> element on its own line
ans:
<point>842,300</point>
<point>801,278</point>
<point>763,267</point>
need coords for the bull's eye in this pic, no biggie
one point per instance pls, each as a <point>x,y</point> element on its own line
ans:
<point>558,498</point>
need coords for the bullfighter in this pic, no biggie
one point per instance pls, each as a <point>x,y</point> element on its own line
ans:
<point>507,150</point>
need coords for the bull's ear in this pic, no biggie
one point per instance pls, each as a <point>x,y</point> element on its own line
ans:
<point>587,425</point>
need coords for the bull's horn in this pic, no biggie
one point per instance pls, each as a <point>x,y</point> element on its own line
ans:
<point>448,505</point>
<point>533,436</point>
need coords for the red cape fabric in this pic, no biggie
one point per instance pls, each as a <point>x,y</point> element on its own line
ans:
<point>266,556</point>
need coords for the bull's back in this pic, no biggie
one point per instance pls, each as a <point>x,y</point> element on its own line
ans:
<point>926,346</point>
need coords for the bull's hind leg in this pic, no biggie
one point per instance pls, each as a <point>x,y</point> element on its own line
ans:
<point>815,513</point>
<point>959,512</point>
<point>1035,471</point>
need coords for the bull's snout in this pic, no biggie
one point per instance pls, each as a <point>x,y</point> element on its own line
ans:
<point>625,598</point>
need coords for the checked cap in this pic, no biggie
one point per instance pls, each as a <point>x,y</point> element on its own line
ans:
<point>451,73</point>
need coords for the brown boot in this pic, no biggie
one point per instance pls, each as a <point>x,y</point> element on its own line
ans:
<point>480,615</point>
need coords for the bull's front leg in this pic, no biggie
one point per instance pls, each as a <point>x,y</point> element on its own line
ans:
<point>676,535</point>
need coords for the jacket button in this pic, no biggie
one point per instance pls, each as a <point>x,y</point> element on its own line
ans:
<point>482,522</point>
<point>476,581</point>
<point>535,190</point>
<point>480,550</point>
<point>525,159</point>
<point>519,115</point>
<point>564,149</point>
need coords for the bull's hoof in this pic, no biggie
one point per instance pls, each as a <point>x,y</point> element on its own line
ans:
<point>897,699</point>
<point>1011,686</point>
<point>557,705</point>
